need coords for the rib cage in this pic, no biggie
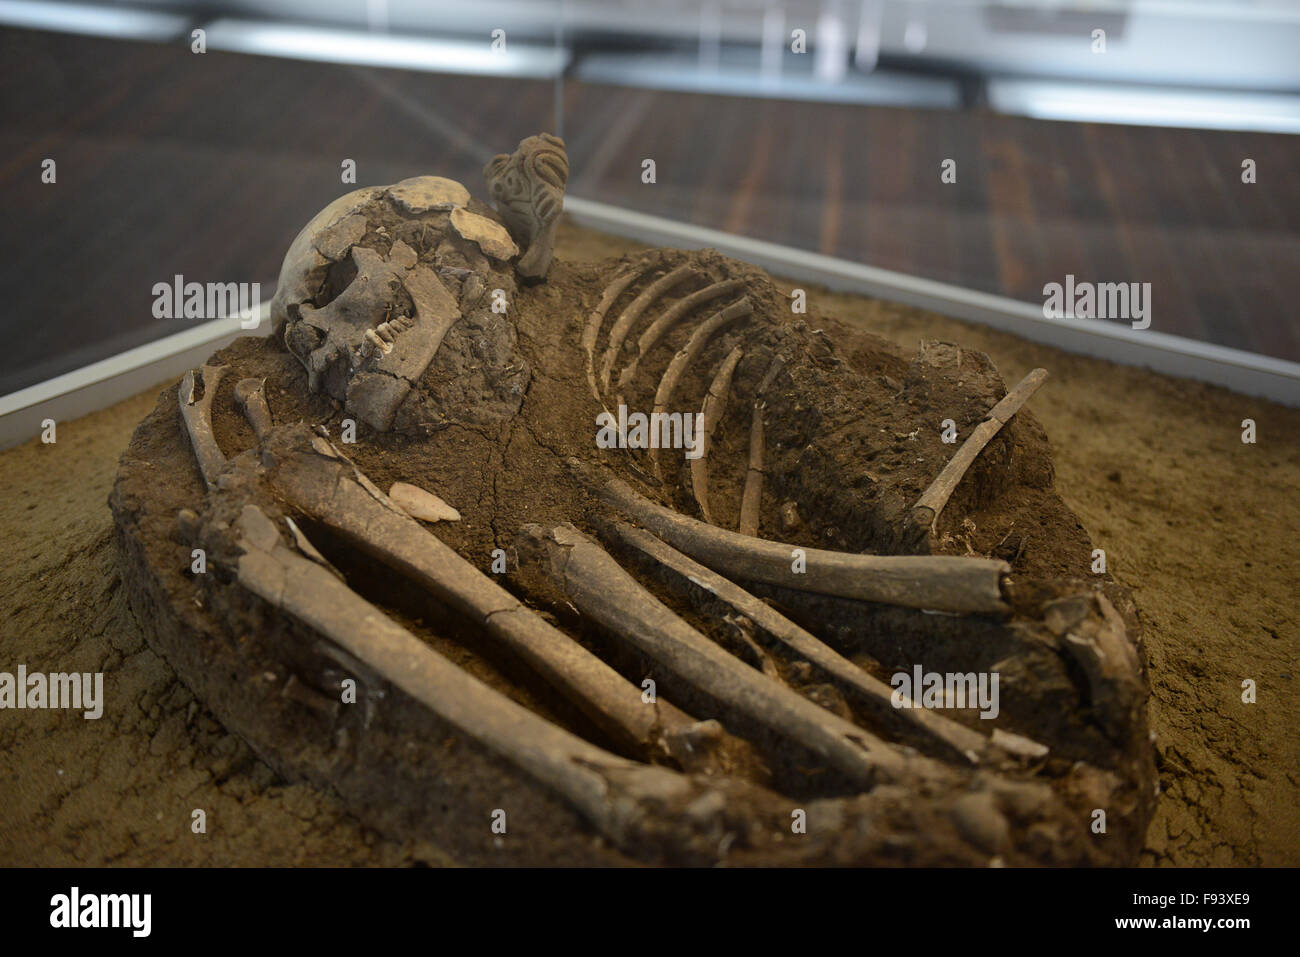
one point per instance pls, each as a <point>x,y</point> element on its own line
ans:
<point>668,330</point>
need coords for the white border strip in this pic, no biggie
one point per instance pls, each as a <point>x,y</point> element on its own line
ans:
<point>390,51</point>
<point>109,381</point>
<point>1244,372</point>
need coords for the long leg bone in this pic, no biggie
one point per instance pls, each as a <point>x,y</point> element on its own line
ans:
<point>751,499</point>
<point>669,319</point>
<point>607,594</point>
<point>197,414</point>
<point>927,508</point>
<point>623,324</point>
<point>715,405</point>
<point>959,739</point>
<point>940,582</point>
<point>323,484</point>
<point>615,794</point>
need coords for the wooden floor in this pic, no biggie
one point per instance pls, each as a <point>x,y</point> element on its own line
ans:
<point>206,166</point>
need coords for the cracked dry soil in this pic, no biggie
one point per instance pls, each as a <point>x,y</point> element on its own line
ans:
<point>1197,524</point>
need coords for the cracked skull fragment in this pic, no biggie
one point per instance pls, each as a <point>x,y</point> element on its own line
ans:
<point>674,655</point>
<point>379,281</point>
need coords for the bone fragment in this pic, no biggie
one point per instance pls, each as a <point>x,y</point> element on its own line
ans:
<point>751,499</point>
<point>623,324</point>
<point>607,594</point>
<point>961,741</point>
<point>197,414</point>
<point>422,193</point>
<point>927,508</point>
<point>939,582</point>
<point>1092,633</point>
<point>250,396</point>
<point>418,503</point>
<point>490,236</point>
<point>715,406</point>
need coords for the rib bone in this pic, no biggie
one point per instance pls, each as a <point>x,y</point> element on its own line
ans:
<point>927,508</point>
<point>197,414</point>
<point>939,582</point>
<point>670,317</point>
<point>715,406</point>
<point>751,498</point>
<point>623,324</point>
<point>607,594</point>
<point>694,346</point>
<point>591,331</point>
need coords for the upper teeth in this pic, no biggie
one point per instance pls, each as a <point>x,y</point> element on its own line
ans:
<point>384,345</point>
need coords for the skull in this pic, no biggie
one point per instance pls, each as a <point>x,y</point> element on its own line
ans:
<point>392,298</point>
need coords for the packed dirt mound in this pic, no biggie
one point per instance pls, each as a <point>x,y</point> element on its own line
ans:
<point>850,440</point>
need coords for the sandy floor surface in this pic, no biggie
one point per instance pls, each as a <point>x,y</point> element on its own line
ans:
<point>1201,526</point>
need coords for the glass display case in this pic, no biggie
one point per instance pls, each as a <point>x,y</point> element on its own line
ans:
<point>762,432</point>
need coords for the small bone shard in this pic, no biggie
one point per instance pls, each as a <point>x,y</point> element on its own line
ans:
<point>961,741</point>
<point>335,241</point>
<point>1018,745</point>
<point>527,188</point>
<point>715,406</point>
<point>627,319</point>
<point>927,508</point>
<point>942,583</point>
<point>197,414</point>
<point>418,503</point>
<point>250,396</point>
<point>610,596</point>
<point>491,238</point>
<point>421,193</point>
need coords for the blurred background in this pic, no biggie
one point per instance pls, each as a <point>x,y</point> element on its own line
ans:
<point>1099,138</point>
